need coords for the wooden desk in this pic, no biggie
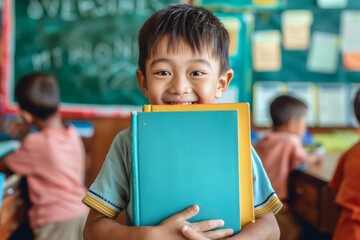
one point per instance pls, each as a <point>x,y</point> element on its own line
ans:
<point>13,211</point>
<point>310,197</point>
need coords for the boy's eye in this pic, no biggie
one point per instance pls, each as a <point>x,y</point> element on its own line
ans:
<point>163,73</point>
<point>196,73</point>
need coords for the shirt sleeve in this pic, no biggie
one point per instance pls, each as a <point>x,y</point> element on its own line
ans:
<point>19,161</point>
<point>265,198</point>
<point>346,183</point>
<point>110,192</point>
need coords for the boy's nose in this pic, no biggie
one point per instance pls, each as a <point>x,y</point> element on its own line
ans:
<point>180,85</point>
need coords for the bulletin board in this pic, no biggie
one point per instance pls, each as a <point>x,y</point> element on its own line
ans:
<point>312,72</point>
<point>326,69</point>
<point>294,63</point>
<point>90,46</point>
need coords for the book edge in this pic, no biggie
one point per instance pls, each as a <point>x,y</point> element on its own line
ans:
<point>134,163</point>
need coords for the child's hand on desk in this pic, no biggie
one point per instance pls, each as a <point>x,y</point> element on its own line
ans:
<point>315,157</point>
<point>192,231</point>
<point>17,127</point>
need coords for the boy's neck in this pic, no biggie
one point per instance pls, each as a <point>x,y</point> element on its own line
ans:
<point>282,129</point>
<point>53,122</point>
<point>285,129</point>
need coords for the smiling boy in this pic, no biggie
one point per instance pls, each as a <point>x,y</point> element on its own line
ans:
<point>183,59</point>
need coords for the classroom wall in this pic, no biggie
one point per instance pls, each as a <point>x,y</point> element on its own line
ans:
<point>105,129</point>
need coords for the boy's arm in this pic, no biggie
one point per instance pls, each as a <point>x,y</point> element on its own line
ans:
<point>17,127</point>
<point>99,226</point>
<point>4,168</point>
<point>264,228</point>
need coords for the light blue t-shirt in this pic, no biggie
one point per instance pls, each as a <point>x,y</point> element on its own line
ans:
<point>111,191</point>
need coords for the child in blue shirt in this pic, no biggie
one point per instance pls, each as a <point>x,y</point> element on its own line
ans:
<point>183,59</point>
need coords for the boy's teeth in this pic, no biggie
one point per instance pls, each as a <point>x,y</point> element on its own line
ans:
<point>181,103</point>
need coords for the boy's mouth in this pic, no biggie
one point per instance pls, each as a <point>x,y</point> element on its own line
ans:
<point>181,103</point>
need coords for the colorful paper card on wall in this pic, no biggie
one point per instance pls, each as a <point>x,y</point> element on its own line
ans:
<point>296,26</point>
<point>332,3</point>
<point>350,44</point>
<point>263,94</point>
<point>266,51</point>
<point>333,104</point>
<point>324,53</point>
<point>306,91</point>
<point>233,26</point>
<point>351,61</point>
<point>350,31</point>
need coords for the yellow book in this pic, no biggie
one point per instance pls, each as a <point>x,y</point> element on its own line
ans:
<point>245,167</point>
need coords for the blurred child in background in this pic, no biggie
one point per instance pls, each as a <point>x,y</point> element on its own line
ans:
<point>281,151</point>
<point>346,184</point>
<point>52,159</point>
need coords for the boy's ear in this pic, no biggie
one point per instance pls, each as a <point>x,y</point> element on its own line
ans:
<point>28,117</point>
<point>292,124</point>
<point>142,81</point>
<point>224,82</point>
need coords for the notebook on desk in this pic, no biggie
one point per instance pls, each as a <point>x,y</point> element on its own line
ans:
<point>198,154</point>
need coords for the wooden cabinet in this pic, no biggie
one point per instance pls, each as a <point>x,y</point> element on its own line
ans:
<point>312,200</point>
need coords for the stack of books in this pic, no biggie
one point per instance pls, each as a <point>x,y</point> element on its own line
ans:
<point>192,154</point>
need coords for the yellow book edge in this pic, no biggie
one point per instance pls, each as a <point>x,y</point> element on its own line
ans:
<point>247,214</point>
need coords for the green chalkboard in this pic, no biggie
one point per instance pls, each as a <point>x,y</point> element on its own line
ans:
<point>90,45</point>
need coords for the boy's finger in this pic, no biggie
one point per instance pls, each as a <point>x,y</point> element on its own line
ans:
<point>191,234</point>
<point>207,225</point>
<point>219,234</point>
<point>188,213</point>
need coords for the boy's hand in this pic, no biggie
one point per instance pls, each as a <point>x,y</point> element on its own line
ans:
<point>16,128</point>
<point>191,234</point>
<point>178,226</point>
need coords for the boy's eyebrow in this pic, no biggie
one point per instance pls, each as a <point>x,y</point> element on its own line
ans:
<point>199,60</point>
<point>156,61</point>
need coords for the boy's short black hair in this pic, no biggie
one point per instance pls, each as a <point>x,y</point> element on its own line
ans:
<point>194,26</point>
<point>357,105</point>
<point>284,107</point>
<point>38,93</point>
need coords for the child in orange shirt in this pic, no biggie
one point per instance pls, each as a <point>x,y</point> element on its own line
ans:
<point>346,184</point>
<point>281,152</point>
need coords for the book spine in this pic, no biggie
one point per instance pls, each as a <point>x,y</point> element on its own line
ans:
<point>134,156</point>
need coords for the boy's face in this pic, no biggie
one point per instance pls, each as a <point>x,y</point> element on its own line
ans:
<point>179,76</point>
<point>299,125</point>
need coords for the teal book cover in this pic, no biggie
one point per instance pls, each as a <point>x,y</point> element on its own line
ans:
<point>185,158</point>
